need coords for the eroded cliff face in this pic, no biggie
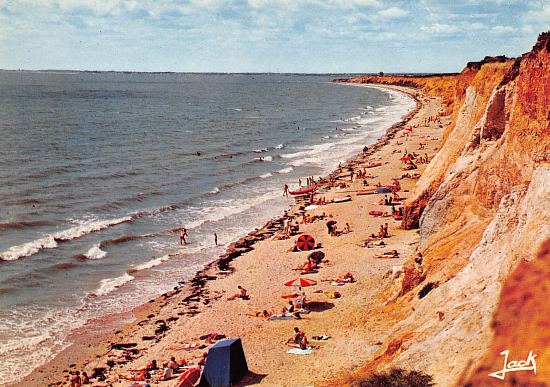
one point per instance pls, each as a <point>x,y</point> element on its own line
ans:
<point>483,210</point>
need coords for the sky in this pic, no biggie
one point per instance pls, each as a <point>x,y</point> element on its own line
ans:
<point>310,36</point>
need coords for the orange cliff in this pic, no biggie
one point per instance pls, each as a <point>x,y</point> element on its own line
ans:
<point>483,210</point>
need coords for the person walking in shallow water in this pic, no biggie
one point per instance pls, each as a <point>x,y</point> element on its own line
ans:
<point>285,190</point>
<point>215,239</point>
<point>183,234</point>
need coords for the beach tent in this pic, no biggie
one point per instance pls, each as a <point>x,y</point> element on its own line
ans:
<point>225,364</point>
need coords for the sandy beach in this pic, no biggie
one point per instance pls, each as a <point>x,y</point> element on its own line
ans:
<point>355,321</point>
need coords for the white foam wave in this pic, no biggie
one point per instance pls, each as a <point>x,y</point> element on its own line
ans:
<point>30,248</point>
<point>222,209</point>
<point>296,154</point>
<point>286,170</point>
<point>352,119</point>
<point>87,228</point>
<point>96,253</point>
<point>266,158</point>
<point>151,263</point>
<point>260,150</point>
<point>49,241</point>
<point>215,190</point>
<point>266,175</point>
<point>280,146</point>
<point>107,285</point>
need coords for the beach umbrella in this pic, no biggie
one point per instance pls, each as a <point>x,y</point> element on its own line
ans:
<point>305,242</point>
<point>302,282</point>
<point>383,190</point>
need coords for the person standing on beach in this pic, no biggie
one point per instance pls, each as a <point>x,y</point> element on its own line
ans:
<point>285,190</point>
<point>215,239</point>
<point>183,234</point>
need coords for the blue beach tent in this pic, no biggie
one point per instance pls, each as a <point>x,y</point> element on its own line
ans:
<point>225,364</point>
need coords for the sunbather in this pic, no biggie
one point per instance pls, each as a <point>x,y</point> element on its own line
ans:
<point>297,338</point>
<point>139,376</point>
<point>288,309</point>
<point>388,254</point>
<point>347,229</point>
<point>242,294</point>
<point>262,314</point>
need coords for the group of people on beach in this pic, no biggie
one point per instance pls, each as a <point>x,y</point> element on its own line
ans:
<point>169,369</point>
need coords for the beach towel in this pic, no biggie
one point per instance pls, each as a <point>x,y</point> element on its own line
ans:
<point>298,351</point>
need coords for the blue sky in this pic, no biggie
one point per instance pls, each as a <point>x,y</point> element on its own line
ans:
<point>262,35</point>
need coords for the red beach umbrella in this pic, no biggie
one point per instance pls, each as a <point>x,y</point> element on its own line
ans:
<point>305,242</point>
<point>302,282</point>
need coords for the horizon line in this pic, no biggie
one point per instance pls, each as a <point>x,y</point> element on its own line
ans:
<point>227,72</point>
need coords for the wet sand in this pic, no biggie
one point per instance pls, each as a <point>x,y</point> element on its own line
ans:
<point>355,321</point>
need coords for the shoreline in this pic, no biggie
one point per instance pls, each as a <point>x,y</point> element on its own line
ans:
<point>192,292</point>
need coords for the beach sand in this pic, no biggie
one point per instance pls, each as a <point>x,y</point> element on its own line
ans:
<point>355,322</point>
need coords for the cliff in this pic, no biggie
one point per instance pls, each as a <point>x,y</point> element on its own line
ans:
<point>482,208</point>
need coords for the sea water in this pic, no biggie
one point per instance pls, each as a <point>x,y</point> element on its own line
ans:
<point>99,170</point>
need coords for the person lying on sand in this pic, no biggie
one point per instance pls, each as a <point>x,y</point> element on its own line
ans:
<point>190,347</point>
<point>139,376</point>
<point>281,236</point>
<point>309,265</point>
<point>264,314</point>
<point>388,254</point>
<point>151,366</point>
<point>346,278</point>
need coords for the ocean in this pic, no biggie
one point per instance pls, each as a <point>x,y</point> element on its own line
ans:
<point>100,170</point>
